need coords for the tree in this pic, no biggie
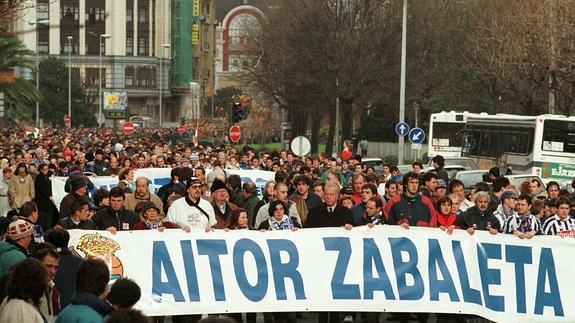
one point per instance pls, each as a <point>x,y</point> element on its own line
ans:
<point>19,93</point>
<point>54,87</point>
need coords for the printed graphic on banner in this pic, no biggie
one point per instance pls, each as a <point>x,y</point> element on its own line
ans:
<point>96,245</point>
<point>386,268</point>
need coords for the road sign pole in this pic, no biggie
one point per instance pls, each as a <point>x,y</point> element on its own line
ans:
<point>400,147</point>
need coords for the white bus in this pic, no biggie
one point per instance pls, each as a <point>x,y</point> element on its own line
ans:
<point>445,135</point>
<point>542,145</point>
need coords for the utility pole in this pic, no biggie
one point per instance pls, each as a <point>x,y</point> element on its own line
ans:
<point>401,142</point>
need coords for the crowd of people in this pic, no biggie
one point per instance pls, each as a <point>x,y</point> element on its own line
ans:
<point>42,280</point>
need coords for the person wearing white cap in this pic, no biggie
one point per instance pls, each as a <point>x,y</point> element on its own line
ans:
<point>15,248</point>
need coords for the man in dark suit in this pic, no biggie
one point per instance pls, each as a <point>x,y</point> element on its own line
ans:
<point>330,214</point>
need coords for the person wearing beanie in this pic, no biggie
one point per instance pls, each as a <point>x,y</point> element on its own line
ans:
<point>79,191</point>
<point>151,217</point>
<point>222,208</point>
<point>192,211</point>
<point>15,248</point>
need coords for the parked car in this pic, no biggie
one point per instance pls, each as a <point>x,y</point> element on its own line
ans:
<point>516,180</point>
<point>466,162</point>
<point>469,177</point>
<point>375,162</point>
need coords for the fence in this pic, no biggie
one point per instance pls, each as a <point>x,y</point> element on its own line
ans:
<point>383,149</point>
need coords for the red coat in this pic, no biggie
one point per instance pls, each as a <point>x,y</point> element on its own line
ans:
<point>446,220</point>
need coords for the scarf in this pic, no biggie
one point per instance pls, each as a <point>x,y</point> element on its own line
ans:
<point>504,211</point>
<point>284,224</point>
<point>525,225</point>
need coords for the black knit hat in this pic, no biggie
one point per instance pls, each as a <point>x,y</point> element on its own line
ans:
<point>77,182</point>
<point>217,185</point>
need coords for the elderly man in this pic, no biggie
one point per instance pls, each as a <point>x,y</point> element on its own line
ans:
<point>143,194</point>
<point>222,208</point>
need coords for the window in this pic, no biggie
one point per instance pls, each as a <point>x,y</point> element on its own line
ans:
<point>153,77</point>
<point>129,14</point>
<point>129,77</point>
<point>446,134</point>
<point>559,136</point>
<point>95,14</point>
<point>143,76</point>
<point>42,11</point>
<point>142,46</point>
<point>494,141</point>
<point>129,45</point>
<point>143,15</point>
<point>70,11</point>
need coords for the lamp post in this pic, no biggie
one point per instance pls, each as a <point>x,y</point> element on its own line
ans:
<point>70,78</point>
<point>100,118</point>
<point>165,46</point>
<point>33,23</point>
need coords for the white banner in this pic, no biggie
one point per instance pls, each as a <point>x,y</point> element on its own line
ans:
<point>158,178</point>
<point>386,268</point>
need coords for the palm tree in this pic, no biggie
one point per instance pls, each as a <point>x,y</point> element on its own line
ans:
<point>19,94</point>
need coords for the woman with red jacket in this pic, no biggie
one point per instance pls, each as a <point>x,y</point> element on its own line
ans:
<point>445,216</point>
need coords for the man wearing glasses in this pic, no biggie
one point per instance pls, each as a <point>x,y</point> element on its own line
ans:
<point>192,211</point>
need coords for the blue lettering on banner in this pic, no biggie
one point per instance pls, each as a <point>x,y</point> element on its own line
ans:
<point>371,257</point>
<point>161,258</point>
<point>437,285</point>
<point>403,268</point>
<point>339,290</point>
<point>213,249</point>
<point>470,295</point>
<point>490,276</point>
<point>258,291</point>
<point>190,270</point>
<point>282,271</point>
<point>547,272</point>
<point>519,256</point>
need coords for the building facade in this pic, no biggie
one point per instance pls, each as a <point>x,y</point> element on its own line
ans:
<point>127,42</point>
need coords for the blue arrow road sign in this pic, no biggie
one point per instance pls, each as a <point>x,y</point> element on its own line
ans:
<point>401,128</point>
<point>416,135</point>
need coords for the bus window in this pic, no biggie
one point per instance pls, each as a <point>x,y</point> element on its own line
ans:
<point>559,135</point>
<point>447,134</point>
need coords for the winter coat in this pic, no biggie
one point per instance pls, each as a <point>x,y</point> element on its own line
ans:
<point>11,253</point>
<point>21,190</point>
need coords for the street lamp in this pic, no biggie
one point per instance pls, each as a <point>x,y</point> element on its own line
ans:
<point>165,46</point>
<point>70,78</point>
<point>100,118</point>
<point>32,23</point>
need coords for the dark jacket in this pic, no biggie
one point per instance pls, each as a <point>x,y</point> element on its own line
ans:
<point>68,224</point>
<point>67,202</point>
<point>65,279</point>
<point>441,174</point>
<point>250,205</point>
<point>474,218</point>
<point>415,211</point>
<point>43,189</point>
<point>319,217</point>
<point>122,220</point>
<point>221,218</point>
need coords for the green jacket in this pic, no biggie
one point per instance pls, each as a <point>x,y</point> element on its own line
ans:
<point>10,254</point>
<point>250,204</point>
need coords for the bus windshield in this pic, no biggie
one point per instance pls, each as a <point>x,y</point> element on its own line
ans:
<point>559,136</point>
<point>447,134</point>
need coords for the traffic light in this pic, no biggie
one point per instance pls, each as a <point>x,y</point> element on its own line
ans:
<point>238,112</point>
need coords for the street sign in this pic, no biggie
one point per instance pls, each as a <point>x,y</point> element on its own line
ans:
<point>235,133</point>
<point>181,129</point>
<point>416,135</point>
<point>300,146</point>
<point>67,121</point>
<point>128,128</point>
<point>401,129</point>
<point>416,146</point>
